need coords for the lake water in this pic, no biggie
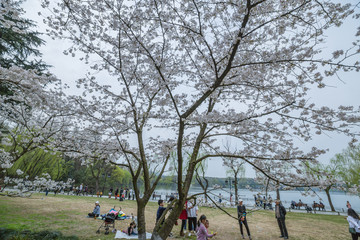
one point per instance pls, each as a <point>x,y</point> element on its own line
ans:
<point>338,198</point>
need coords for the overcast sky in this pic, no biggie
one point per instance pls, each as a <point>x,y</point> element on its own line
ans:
<point>345,92</point>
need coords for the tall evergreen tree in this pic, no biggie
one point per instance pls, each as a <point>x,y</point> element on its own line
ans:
<point>18,42</point>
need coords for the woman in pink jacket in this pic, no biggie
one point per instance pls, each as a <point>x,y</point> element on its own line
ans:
<point>202,233</point>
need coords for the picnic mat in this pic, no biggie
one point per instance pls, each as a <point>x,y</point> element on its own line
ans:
<point>118,218</point>
<point>98,218</point>
<point>120,234</point>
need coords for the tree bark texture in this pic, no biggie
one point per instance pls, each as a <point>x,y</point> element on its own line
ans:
<point>141,221</point>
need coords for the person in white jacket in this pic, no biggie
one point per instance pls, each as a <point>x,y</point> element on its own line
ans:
<point>354,222</point>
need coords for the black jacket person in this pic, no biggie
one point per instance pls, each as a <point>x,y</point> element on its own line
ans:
<point>280,213</point>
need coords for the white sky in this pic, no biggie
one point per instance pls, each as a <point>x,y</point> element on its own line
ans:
<point>69,69</point>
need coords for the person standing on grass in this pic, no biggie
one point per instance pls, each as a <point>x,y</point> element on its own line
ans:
<point>110,192</point>
<point>121,194</point>
<point>241,210</point>
<point>280,213</point>
<point>354,224</point>
<point>192,211</point>
<point>116,192</point>
<point>270,202</point>
<point>202,233</point>
<point>260,200</point>
<point>130,193</point>
<point>183,216</point>
<point>160,211</point>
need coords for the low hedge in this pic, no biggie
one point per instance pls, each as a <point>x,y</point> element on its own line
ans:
<point>11,234</point>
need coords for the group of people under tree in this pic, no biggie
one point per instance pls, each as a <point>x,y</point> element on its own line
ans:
<point>81,189</point>
<point>131,230</point>
<point>263,201</point>
<point>78,190</point>
<point>200,227</point>
<point>122,194</point>
<point>189,214</point>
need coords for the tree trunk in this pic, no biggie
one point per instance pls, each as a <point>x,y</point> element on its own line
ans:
<point>236,190</point>
<point>327,190</point>
<point>96,185</point>
<point>183,187</point>
<point>155,236</point>
<point>278,191</point>
<point>105,177</point>
<point>267,188</point>
<point>165,230</point>
<point>141,220</point>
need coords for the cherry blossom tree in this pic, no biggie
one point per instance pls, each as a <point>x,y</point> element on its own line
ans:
<point>35,118</point>
<point>31,118</point>
<point>29,108</point>
<point>183,75</point>
<point>32,107</point>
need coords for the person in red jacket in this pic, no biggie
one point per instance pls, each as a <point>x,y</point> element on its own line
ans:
<point>183,217</point>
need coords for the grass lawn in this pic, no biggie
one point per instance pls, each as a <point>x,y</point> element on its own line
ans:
<point>68,215</point>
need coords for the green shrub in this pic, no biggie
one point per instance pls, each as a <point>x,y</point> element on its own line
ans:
<point>10,234</point>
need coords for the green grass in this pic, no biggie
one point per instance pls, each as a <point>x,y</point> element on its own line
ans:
<point>68,214</point>
<point>317,217</point>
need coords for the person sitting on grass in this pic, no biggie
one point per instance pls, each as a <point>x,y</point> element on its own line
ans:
<point>130,230</point>
<point>96,211</point>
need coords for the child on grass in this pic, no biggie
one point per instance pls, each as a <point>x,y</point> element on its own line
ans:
<point>130,230</point>
<point>202,233</point>
<point>96,211</point>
